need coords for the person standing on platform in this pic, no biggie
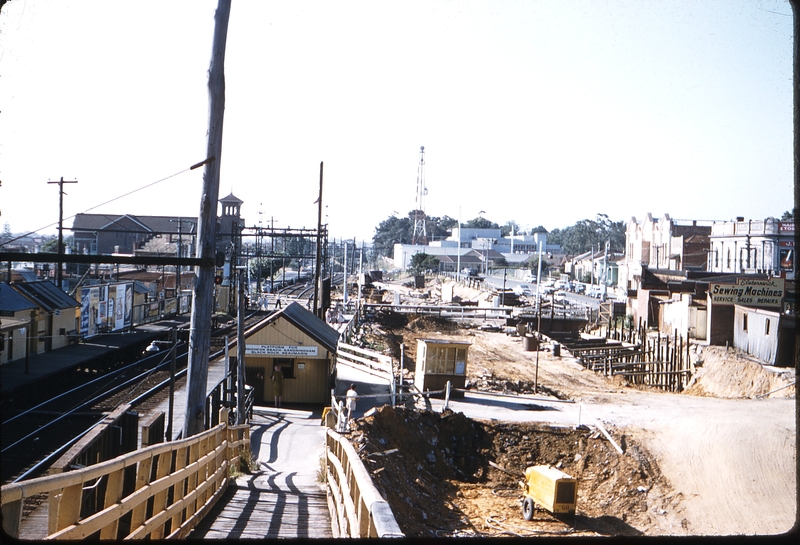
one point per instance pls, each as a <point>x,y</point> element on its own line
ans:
<point>277,385</point>
<point>351,398</point>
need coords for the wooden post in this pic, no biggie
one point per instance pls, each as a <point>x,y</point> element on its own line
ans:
<point>240,351</point>
<point>318,263</point>
<point>60,250</point>
<point>202,307</point>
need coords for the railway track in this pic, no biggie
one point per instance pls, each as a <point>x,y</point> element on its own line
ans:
<point>32,437</point>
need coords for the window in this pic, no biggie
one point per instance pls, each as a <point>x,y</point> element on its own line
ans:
<point>728,264</point>
<point>766,327</point>
<point>744,322</point>
<point>437,360</point>
<point>449,356</point>
<point>287,366</point>
<point>461,361</point>
<point>716,259</point>
<point>445,360</point>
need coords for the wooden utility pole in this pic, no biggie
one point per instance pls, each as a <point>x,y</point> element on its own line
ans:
<point>318,262</point>
<point>172,365</point>
<point>240,353</point>
<point>60,183</point>
<point>203,296</point>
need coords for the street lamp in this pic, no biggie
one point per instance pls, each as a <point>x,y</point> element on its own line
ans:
<point>153,348</point>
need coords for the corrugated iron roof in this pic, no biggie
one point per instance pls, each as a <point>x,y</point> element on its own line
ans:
<point>308,323</point>
<point>13,301</point>
<point>159,224</point>
<point>46,295</point>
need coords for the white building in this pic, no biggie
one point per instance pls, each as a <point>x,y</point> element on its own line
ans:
<point>487,243</point>
<point>753,246</point>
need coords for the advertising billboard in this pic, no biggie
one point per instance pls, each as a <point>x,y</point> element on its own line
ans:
<point>106,308</point>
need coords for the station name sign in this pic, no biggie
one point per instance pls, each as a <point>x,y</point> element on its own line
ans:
<point>749,291</point>
<point>280,350</point>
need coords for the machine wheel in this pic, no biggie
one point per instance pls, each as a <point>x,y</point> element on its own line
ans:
<point>527,508</point>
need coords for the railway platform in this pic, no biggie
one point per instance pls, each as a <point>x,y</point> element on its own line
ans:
<point>27,372</point>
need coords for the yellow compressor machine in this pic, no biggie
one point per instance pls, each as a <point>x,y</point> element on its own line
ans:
<point>549,488</point>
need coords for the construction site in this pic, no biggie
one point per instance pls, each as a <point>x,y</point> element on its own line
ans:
<point>714,456</point>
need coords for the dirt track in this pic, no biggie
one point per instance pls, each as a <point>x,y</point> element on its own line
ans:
<point>733,461</point>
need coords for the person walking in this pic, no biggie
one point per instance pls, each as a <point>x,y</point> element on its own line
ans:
<point>277,385</point>
<point>351,398</point>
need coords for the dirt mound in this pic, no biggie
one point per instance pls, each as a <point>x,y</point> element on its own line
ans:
<point>389,319</point>
<point>440,482</point>
<point>733,374</point>
<point>431,323</point>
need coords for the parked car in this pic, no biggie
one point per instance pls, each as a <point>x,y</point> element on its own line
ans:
<point>560,296</point>
<point>595,291</point>
<point>561,285</point>
<point>580,288</point>
<point>523,289</point>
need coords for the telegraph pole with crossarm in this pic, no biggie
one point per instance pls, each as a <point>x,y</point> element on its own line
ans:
<point>61,183</point>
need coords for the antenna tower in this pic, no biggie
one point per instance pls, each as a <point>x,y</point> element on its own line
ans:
<point>420,236</point>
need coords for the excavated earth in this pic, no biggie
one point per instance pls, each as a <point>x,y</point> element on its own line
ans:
<point>445,474</point>
<point>435,471</point>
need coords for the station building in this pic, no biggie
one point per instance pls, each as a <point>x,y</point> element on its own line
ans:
<point>302,346</point>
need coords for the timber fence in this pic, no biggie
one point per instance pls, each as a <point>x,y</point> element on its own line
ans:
<point>158,492</point>
<point>657,360</point>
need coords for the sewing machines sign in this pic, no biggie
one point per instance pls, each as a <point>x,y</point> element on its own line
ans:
<point>749,291</point>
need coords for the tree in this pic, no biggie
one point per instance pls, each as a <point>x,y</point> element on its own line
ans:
<point>422,262</point>
<point>439,228</point>
<point>586,234</point>
<point>391,231</point>
<point>50,243</point>
<point>532,264</point>
<point>509,227</point>
<point>394,230</point>
<point>268,267</point>
<point>787,216</point>
<point>480,223</point>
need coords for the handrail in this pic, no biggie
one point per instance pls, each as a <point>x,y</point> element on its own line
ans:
<point>185,478</point>
<point>357,507</point>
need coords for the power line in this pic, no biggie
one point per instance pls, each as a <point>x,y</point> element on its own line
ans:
<point>101,204</point>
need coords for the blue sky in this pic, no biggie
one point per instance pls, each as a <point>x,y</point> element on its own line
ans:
<point>541,112</point>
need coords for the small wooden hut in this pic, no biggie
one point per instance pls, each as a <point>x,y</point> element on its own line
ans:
<point>440,361</point>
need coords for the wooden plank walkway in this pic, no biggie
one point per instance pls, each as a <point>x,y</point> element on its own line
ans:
<point>284,498</point>
<point>271,506</point>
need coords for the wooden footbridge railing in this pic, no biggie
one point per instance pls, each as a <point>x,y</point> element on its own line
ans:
<point>158,492</point>
<point>357,508</point>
